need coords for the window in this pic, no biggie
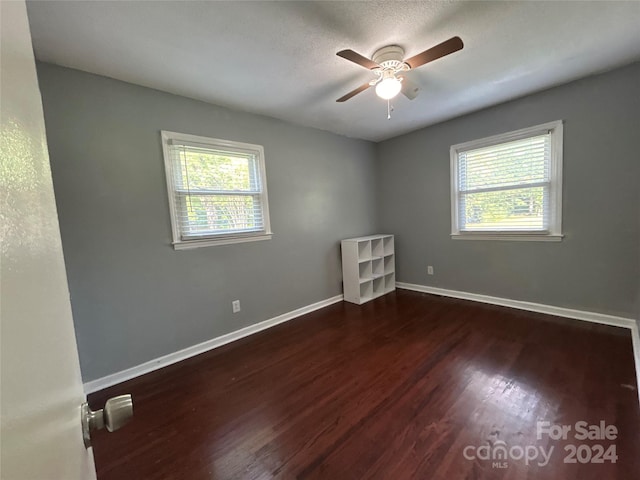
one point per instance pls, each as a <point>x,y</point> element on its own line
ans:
<point>508,187</point>
<point>217,190</point>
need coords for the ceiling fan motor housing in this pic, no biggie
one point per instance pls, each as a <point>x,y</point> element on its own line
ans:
<point>390,57</point>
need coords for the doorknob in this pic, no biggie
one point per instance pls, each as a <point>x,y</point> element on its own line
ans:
<point>116,413</point>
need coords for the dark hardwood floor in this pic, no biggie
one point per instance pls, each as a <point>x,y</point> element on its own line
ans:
<point>400,388</point>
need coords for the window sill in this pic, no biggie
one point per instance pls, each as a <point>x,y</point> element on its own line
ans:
<point>209,242</point>
<point>518,237</point>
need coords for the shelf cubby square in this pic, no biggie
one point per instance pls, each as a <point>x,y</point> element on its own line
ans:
<point>377,266</point>
<point>388,245</point>
<point>364,251</point>
<point>389,282</point>
<point>377,248</point>
<point>389,264</point>
<point>378,286</point>
<point>365,271</point>
<point>366,291</point>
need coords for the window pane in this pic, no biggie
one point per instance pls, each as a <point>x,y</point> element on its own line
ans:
<point>517,209</point>
<point>220,171</point>
<point>215,214</point>
<point>512,163</point>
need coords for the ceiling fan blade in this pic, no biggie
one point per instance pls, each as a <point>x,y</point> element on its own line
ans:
<point>355,57</point>
<point>353,93</point>
<point>445,48</point>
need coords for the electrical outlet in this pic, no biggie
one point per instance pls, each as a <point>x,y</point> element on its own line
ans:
<point>429,270</point>
<point>235,305</point>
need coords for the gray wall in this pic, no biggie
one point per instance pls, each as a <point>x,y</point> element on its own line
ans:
<point>134,297</point>
<point>595,268</point>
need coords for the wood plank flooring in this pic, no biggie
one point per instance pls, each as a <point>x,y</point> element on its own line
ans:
<point>399,388</point>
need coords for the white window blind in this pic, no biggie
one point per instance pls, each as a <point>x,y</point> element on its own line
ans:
<point>507,186</point>
<point>217,189</point>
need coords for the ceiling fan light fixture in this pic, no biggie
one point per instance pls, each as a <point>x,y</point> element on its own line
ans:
<point>389,87</point>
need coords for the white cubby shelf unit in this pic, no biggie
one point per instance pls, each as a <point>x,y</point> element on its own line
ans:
<point>368,267</point>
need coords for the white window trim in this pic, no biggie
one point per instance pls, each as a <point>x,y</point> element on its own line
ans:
<point>554,234</point>
<point>220,239</point>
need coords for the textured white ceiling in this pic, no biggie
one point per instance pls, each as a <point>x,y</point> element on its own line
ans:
<point>279,58</point>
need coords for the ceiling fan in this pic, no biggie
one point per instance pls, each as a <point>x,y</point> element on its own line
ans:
<point>388,62</point>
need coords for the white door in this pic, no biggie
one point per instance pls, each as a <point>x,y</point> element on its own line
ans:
<point>41,386</point>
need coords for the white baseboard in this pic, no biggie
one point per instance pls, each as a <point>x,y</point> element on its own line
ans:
<point>157,363</point>
<point>520,305</point>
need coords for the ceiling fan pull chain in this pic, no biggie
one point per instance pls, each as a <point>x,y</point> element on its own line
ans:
<point>388,109</point>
